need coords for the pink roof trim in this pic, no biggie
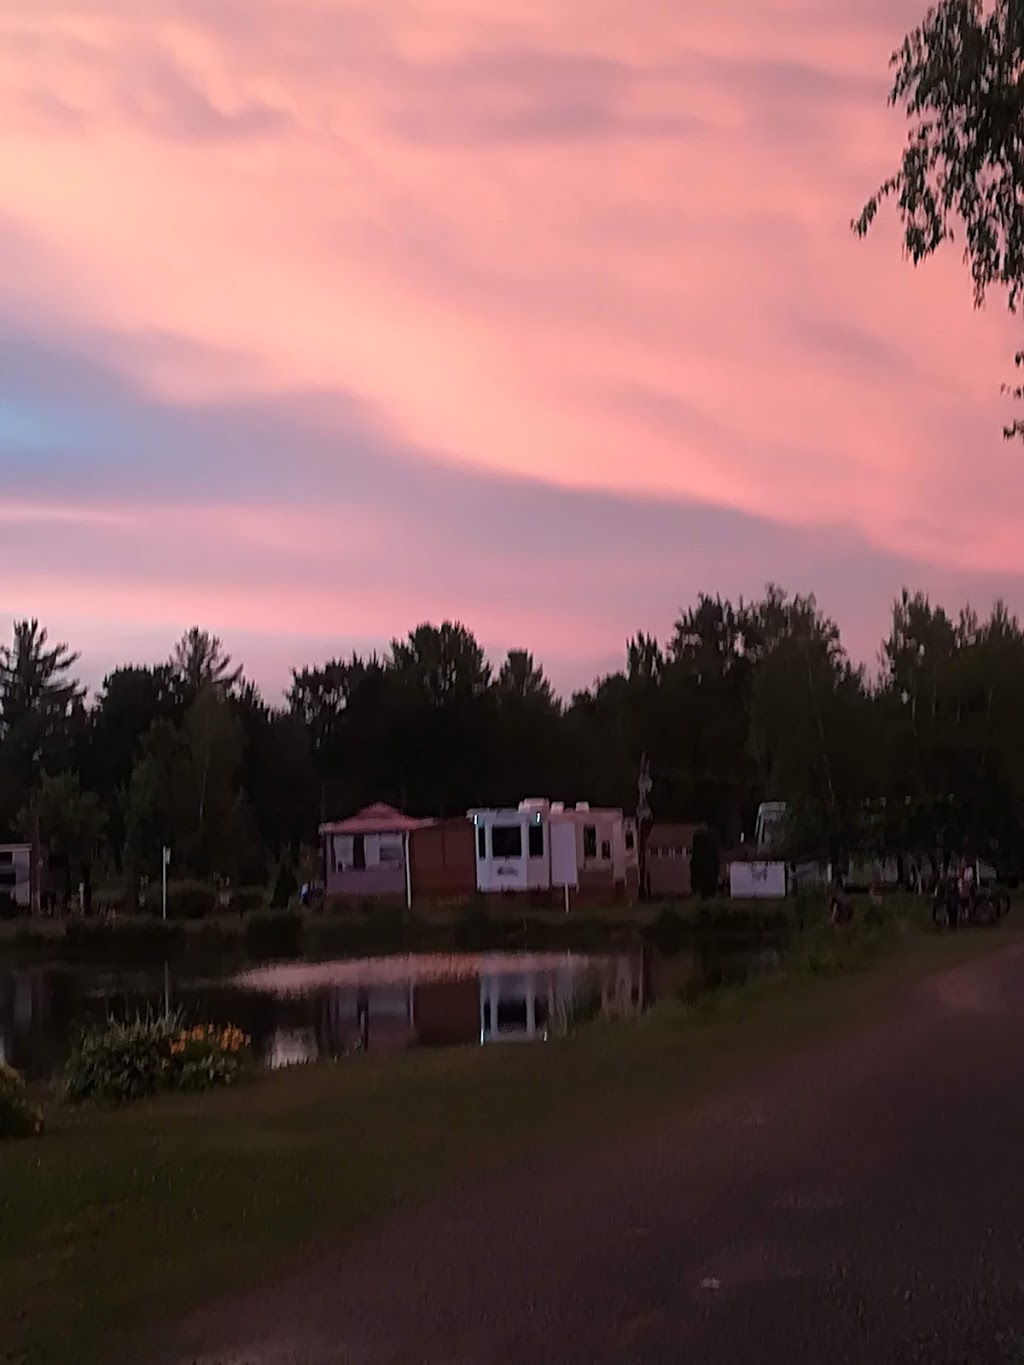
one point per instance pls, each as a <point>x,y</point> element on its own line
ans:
<point>376,819</point>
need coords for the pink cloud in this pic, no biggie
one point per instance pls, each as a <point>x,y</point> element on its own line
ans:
<point>600,248</point>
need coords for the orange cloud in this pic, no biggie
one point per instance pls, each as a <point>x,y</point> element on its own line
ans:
<point>601,248</point>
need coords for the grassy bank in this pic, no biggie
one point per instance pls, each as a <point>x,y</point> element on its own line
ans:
<point>384,929</point>
<point>117,1221</point>
<point>371,927</point>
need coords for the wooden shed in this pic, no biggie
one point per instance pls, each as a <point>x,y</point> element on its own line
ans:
<point>442,860</point>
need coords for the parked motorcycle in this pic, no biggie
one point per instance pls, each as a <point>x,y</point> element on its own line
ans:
<point>983,908</point>
<point>988,906</point>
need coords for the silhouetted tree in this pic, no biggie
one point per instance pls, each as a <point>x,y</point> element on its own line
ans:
<point>199,660</point>
<point>745,702</point>
<point>958,77</point>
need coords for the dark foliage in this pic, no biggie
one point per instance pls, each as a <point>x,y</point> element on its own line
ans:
<point>957,76</point>
<point>285,887</point>
<point>745,702</point>
<point>705,863</point>
<point>191,900</point>
<point>127,939</point>
<point>273,931</point>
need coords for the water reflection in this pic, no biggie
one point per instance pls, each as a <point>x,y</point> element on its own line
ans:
<point>296,1012</point>
<point>292,1047</point>
<point>442,1000</point>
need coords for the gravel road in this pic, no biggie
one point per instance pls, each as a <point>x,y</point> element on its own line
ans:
<point>861,1201</point>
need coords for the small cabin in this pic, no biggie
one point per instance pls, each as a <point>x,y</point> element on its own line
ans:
<point>367,854</point>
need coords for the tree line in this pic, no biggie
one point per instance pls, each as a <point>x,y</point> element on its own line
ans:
<point>744,702</point>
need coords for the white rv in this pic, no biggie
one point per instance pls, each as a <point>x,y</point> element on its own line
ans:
<point>543,845</point>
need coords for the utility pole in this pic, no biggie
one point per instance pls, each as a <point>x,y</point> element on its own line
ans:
<point>643,816</point>
<point>164,861</point>
<point>36,881</point>
<point>37,858</point>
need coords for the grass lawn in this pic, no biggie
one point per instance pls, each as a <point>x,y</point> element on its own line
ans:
<point>116,1221</point>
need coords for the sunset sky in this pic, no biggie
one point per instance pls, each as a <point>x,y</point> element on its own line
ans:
<point>319,318</point>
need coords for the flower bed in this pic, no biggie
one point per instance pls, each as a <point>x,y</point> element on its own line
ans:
<point>118,1062</point>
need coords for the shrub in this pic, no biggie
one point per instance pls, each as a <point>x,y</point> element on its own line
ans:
<point>384,911</point>
<point>18,1118</point>
<point>190,900</point>
<point>705,863</point>
<point>276,931</point>
<point>118,1062</point>
<point>343,905</point>
<point>213,936</point>
<point>337,935</point>
<point>247,898</point>
<point>285,887</point>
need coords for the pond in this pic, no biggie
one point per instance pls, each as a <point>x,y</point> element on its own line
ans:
<point>298,1011</point>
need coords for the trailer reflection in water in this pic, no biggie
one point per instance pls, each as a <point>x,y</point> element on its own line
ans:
<point>296,1012</point>
<point>384,1004</point>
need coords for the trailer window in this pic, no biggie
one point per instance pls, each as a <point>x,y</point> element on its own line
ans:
<point>506,841</point>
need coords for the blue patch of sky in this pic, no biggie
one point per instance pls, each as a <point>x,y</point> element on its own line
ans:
<point>22,428</point>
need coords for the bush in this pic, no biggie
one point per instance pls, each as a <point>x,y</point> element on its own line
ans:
<point>285,887</point>
<point>18,1118</point>
<point>190,900</point>
<point>118,1062</point>
<point>276,931</point>
<point>705,863</point>
<point>247,898</point>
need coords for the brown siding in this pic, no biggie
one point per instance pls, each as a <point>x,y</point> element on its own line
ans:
<point>668,876</point>
<point>667,858</point>
<point>442,857</point>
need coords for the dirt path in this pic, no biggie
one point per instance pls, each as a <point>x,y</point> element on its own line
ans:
<point>863,1201</point>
